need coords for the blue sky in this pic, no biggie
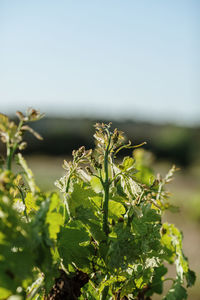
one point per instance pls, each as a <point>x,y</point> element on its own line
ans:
<point>108,58</point>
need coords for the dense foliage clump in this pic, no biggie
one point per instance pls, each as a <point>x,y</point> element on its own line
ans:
<point>100,237</point>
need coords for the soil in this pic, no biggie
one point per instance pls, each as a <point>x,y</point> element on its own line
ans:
<point>68,288</point>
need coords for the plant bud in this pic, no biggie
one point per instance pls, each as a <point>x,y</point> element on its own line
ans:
<point>80,151</point>
<point>22,146</point>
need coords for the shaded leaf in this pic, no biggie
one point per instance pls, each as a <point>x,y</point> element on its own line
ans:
<point>71,245</point>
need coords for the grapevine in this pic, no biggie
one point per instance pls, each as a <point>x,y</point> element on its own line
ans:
<point>100,236</point>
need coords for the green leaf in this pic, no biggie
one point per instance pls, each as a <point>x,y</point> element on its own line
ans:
<point>96,185</point>
<point>53,218</point>
<point>150,215</point>
<point>30,202</point>
<point>172,240</point>
<point>80,196</point>
<point>139,227</point>
<point>190,278</point>
<point>127,164</point>
<point>16,256</point>
<point>157,281</point>
<point>123,248</point>
<point>89,292</point>
<point>116,210</point>
<point>91,222</point>
<point>73,245</point>
<point>177,292</point>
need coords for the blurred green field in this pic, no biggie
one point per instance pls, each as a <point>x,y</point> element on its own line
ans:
<point>185,189</point>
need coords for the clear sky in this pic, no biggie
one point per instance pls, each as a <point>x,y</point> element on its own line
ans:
<point>109,58</point>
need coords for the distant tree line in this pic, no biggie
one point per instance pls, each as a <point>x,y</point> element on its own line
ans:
<point>180,145</point>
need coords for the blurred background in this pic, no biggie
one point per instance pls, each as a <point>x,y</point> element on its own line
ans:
<point>135,63</point>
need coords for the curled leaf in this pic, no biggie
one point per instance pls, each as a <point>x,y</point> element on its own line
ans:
<point>31,130</point>
<point>21,116</point>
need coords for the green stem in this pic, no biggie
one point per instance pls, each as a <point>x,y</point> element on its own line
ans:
<point>169,278</point>
<point>66,207</point>
<point>159,191</point>
<point>68,183</point>
<point>11,150</point>
<point>10,156</point>
<point>106,186</point>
